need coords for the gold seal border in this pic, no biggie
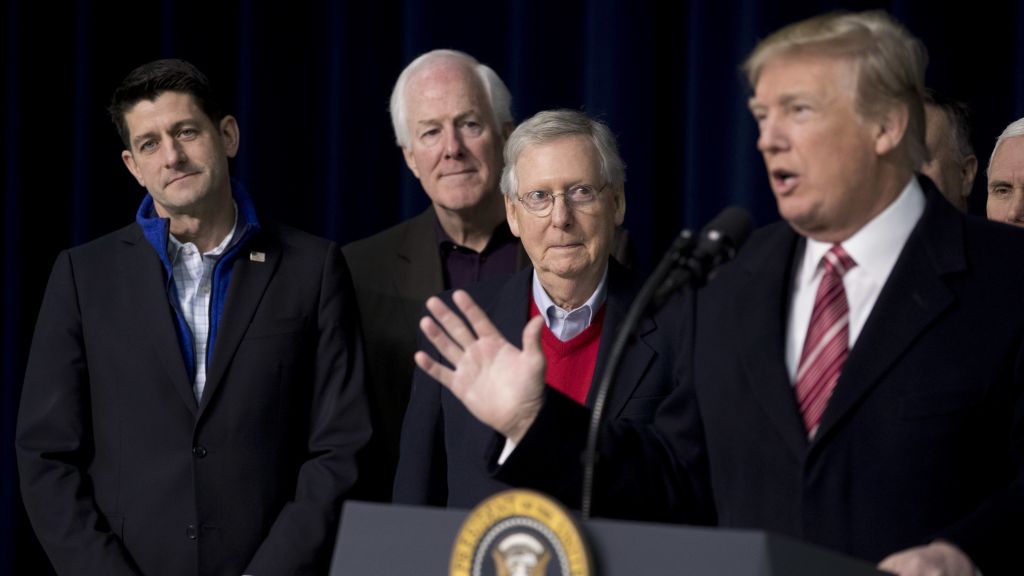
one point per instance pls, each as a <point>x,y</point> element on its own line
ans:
<point>519,503</point>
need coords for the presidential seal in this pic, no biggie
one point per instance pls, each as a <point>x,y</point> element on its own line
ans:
<point>519,533</point>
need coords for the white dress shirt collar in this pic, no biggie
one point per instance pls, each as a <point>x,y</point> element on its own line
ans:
<point>871,247</point>
<point>875,248</point>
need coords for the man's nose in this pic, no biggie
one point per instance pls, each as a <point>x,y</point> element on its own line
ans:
<point>174,153</point>
<point>1016,212</point>
<point>453,147</point>
<point>771,136</point>
<point>561,212</point>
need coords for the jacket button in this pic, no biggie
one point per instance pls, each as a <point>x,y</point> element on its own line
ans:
<point>190,532</point>
<point>199,452</point>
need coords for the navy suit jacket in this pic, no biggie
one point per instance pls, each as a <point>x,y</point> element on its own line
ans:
<point>123,472</point>
<point>923,437</point>
<point>448,457</point>
<point>394,272</point>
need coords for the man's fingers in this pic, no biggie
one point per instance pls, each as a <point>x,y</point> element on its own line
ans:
<point>890,564</point>
<point>477,317</point>
<point>440,339</point>
<point>939,557</point>
<point>531,335</point>
<point>434,369</point>
<point>451,322</point>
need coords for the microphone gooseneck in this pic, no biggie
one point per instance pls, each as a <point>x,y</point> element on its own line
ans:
<point>689,261</point>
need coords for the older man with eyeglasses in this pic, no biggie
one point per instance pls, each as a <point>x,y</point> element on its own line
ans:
<point>563,183</point>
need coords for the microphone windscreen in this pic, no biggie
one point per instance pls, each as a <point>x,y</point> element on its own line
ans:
<point>732,227</point>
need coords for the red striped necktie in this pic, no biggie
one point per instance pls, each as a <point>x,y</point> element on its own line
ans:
<point>827,344</point>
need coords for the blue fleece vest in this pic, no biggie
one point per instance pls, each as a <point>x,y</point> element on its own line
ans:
<point>156,230</point>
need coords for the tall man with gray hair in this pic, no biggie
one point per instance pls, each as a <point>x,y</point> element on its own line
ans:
<point>831,390</point>
<point>451,116</point>
<point>1006,176</point>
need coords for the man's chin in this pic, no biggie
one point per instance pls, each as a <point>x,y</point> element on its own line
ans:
<point>567,267</point>
<point>181,202</point>
<point>460,200</point>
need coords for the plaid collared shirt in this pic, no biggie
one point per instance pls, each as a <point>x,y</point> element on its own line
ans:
<point>193,279</point>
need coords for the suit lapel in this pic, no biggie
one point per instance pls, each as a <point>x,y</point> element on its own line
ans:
<point>522,258</point>
<point>913,297</point>
<point>151,302</point>
<point>510,311</point>
<point>763,306</point>
<point>249,281</point>
<point>638,354</point>
<point>418,272</point>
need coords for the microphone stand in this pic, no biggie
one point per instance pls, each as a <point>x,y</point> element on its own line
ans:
<point>677,253</point>
<point>689,261</point>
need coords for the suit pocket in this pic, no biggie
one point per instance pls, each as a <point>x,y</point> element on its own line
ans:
<point>934,404</point>
<point>267,327</point>
<point>642,409</point>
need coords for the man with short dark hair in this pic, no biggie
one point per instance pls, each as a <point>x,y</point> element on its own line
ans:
<point>193,400</point>
<point>952,164</point>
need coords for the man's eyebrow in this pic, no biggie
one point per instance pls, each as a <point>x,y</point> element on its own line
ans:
<point>174,127</point>
<point>142,137</point>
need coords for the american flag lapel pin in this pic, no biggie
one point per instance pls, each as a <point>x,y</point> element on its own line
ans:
<point>257,256</point>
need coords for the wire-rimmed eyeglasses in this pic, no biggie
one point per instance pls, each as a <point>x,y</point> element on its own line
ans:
<point>580,197</point>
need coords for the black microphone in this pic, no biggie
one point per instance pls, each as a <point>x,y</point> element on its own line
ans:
<point>718,243</point>
<point>688,262</point>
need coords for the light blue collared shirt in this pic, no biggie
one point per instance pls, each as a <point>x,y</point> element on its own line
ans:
<point>568,324</point>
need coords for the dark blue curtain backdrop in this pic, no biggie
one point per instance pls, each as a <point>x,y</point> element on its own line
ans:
<point>309,84</point>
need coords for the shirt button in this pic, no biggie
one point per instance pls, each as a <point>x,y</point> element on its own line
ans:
<point>199,452</point>
<point>190,532</point>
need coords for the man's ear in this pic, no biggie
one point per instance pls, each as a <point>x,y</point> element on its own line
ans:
<point>891,128</point>
<point>619,198</point>
<point>512,216</point>
<point>968,170</point>
<point>229,135</point>
<point>129,162</point>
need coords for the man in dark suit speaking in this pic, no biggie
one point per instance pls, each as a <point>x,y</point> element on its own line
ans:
<point>193,400</point>
<point>857,371</point>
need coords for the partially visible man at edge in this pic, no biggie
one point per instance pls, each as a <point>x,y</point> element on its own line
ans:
<point>1005,174</point>
<point>952,164</point>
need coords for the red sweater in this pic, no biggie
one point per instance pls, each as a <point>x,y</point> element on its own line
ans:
<point>571,364</point>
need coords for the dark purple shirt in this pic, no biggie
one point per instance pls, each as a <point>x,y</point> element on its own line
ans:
<point>463,266</point>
